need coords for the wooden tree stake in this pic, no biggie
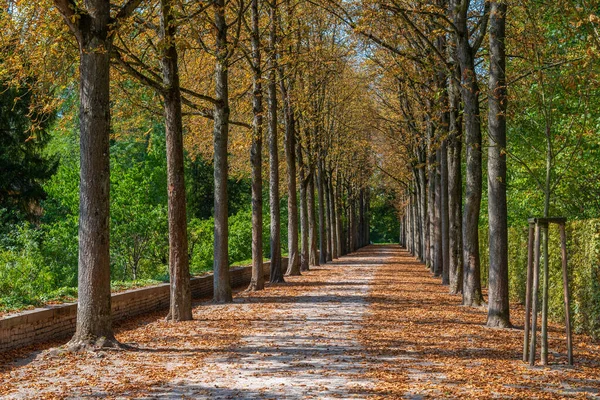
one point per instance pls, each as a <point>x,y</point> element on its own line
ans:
<point>528,293</point>
<point>536,284</point>
<point>531,293</point>
<point>566,293</point>
<point>544,350</point>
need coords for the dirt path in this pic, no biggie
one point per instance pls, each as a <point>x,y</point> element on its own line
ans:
<point>306,346</point>
<point>372,324</point>
<point>429,346</point>
<point>297,340</point>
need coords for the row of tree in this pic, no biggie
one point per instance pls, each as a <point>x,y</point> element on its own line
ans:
<point>433,60</point>
<point>157,53</point>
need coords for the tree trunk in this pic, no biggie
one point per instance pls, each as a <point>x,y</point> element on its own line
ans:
<point>366,217</point>
<point>420,220</point>
<point>322,232</point>
<point>290,152</point>
<point>351,213</point>
<point>357,222</point>
<point>179,269</point>
<point>438,256</point>
<point>276,268</point>
<point>441,78</point>
<point>304,188</point>
<point>470,95</point>
<point>498,306</point>
<point>423,216</point>
<point>415,196</point>
<point>222,285</point>
<point>407,233</point>
<point>257,281</point>
<point>338,216</point>
<point>361,218</point>
<point>94,322</point>
<point>455,260</point>
<point>334,226</point>
<point>413,221</point>
<point>445,214</point>
<point>312,220</point>
<point>409,223</point>
<point>328,216</point>
<point>431,205</point>
<point>403,230</point>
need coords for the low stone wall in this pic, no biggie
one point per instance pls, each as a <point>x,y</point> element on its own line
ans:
<point>58,321</point>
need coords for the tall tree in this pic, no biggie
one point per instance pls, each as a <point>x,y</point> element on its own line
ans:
<point>258,280</point>
<point>93,27</point>
<point>222,284</point>
<point>321,206</point>
<point>455,260</point>
<point>498,306</point>
<point>293,267</point>
<point>276,268</point>
<point>312,218</point>
<point>179,270</point>
<point>467,45</point>
<point>304,223</point>
<point>169,88</point>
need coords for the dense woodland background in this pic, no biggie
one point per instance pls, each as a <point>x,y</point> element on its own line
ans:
<point>364,94</point>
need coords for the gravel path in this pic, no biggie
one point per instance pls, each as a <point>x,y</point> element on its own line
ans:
<point>305,347</point>
<point>374,324</point>
<point>294,340</point>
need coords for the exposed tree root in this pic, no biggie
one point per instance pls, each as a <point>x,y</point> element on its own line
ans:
<point>255,287</point>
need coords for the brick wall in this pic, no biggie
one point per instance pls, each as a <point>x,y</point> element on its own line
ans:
<point>58,321</point>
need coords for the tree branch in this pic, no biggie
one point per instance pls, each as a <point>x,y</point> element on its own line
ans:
<point>71,14</point>
<point>209,114</point>
<point>199,96</point>
<point>483,22</point>
<point>126,10</point>
<point>145,80</point>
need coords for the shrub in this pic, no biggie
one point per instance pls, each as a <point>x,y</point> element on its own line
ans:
<point>23,273</point>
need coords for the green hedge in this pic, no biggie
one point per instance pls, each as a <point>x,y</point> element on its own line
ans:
<point>583,256</point>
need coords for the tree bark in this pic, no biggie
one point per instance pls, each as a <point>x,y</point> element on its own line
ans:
<point>361,216</point>
<point>470,94</point>
<point>445,224</point>
<point>455,259</point>
<point>257,281</point>
<point>179,269</point>
<point>420,220</point>
<point>328,215</point>
<point>367,216</point>
<point>94,323</point>
<point>322,232</point>
<point>312,220</point>
<point>438,255</point>
<point>413,222</point>
<point>444,126</point>
<point>304,188</point>
<point>431,203</point>
<point>222,285</point>
<point>290,153</point>
<point>338,216</point>
<point>351,218</point>
<point>334,227</point>
<point>276,268</point>
<point>423,215</point>
<point>498,306</point>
